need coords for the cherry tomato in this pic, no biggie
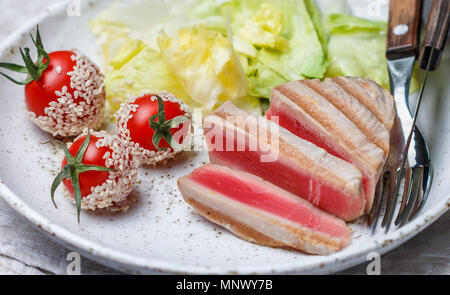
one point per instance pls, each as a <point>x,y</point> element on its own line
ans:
<point>140,130</point>
<point>92,156</point>
<point>64,90</point>
<point>103,168</point>
<point>38,94</point>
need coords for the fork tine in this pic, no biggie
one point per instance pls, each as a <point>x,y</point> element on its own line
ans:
<point>374,212</point>
<point>415,192</point>
<point>386,186</point>
<point>426,184</point>
<point>420,194</point>
<point>407,188</point>
<point>428,176</point>
<point>394,186</point>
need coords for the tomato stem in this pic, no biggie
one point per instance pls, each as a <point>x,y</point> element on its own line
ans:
<point>33,69</point>
<point>73,169</point>
<point>162,127</point>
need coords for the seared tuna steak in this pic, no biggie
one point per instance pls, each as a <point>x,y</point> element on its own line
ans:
<point>258,146</point>
<point>327,115</point>
<point>261,212</point>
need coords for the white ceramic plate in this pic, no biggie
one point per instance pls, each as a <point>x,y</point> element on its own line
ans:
<point>161,233</point>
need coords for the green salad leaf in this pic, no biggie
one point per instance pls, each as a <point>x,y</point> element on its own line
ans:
<point>209,51</point>
<point>144,72</point>
<point>206,65</point>
<point>357,47</point>
<point>279,39</point>
<point>306,58</point>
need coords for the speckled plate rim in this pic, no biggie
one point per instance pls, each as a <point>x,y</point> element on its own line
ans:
<point>135,264</point>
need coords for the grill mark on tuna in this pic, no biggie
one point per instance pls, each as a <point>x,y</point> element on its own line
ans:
<point>364,148</point>
<point>319,166</point>
<point>362,117</point>
<point>305,112</point>
<point>288,150</point>
<point>372,96</point>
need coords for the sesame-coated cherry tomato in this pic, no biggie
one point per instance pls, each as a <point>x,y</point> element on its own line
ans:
<point>155,126</point>
<point>92,156</point>
<point>98,171</point>
<point>140,129</point>
<point>64,90</point>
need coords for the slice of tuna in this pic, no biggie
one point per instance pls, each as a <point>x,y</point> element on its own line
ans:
<point>258,146</point>
<point>309,115</point>
<point>353,109</point>
<point>379,101</point>
<point>261,212</point>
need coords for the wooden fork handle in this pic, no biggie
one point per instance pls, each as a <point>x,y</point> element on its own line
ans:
<point>403,28</point>
<point>436,34</point>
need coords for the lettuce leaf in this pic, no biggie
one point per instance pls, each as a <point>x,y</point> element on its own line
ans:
<point>264,29</point>
<point>206,65</point>
<point>357,47</point>
<point>278,39</point>
<point>133,63</point>
<point>342,23</point>
<point>305,57</point>
<point>316,18</point>
<point>141,72</point>
<point>239,50</point>
<point>262,79</point>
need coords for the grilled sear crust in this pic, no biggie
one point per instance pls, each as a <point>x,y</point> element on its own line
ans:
<point>258,225</point>
<point>353,109</point>
<point>300,167</point>
<point>332,119</point>
<point>379,101</point>
<point>308,155</point>
<point>349,117</point>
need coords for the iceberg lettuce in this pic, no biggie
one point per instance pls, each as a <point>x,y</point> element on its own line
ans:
<point>306,57</point>
<point>138,72</point>
<point>282,42</point>
<point>209,51</point>
<point>206,65</point>
<point>264,29</point>
<point>357,47</point>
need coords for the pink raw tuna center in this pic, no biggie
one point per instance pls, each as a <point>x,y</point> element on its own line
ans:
<point>266,198</point>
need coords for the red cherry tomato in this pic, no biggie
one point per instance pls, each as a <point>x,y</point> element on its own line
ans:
<point>38,94</point>
<point>64,90</point>
<point>92,156</point>
<point>139,127</point>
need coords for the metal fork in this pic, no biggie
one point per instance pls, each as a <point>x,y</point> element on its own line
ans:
<point>417,166</point>
<point>388,179</point>
<point>403,32</point>
<point>417,163</point>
